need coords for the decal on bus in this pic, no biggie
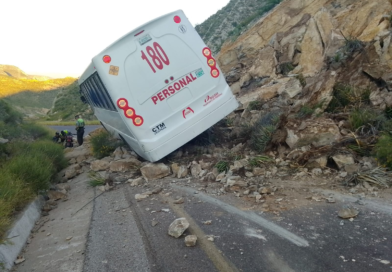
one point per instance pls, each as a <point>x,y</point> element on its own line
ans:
<point>187,111</point>
<point>159,128</point>
<point>209,99</point>
<point>176,86</point>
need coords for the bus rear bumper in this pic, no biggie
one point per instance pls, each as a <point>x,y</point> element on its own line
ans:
<point>191,132</point>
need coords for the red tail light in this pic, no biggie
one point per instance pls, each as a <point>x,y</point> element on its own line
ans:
<point>129,112</point>
<point>106,59</point>
<point>138,121</point>
<point>122,103</point>
<point>177,19</point>
<point>215,73</point>
<point>211,62</point>
<point>206,52</point>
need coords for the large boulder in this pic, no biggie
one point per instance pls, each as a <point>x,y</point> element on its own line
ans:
<point>76,152</point>
<point>72,171</point>
<point>124,165</point>
<point>153,171</point>
<point>317,132</point>
<point>100,165</point>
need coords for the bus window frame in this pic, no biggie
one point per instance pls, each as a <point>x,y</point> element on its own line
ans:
<point>103,100</point>
<point>99,82</point>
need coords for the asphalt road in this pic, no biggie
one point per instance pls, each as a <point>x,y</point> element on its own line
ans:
<point>312,238</point>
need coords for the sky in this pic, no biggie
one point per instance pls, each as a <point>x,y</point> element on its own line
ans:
<point>58,39</point>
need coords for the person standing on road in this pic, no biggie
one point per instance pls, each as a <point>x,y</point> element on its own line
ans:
<point>79,129</point>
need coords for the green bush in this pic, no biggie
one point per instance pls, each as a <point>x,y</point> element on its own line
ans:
<point>353,45</point>
<point>255,105</point>
<point>362,117</point>
<point>285,68</point>
<point>36,170</point>
<point>388,112</point>
<point>35,131</point>
<point>259,160</point>
<point>263,130</point>
<point>8,114</point>
<point>347,96</point>
<point>387,126</point>
<point>103,144</point>
<point>8,131</point>
<point>383,151</point>
<point>305,111</point>
<point>53,152</point>
<point>301,79</point>
<point>222,166</point>
<point>35,163</point>
<point>14,195</point>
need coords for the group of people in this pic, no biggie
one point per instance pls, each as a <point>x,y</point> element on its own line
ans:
<point>65,137</point>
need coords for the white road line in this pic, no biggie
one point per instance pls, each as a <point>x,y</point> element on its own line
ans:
<point>249,216</point>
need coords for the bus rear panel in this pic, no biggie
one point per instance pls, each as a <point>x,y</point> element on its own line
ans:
<point>164,84</point>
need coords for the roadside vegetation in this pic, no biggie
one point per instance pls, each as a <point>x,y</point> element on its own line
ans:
<point>68,104</point>
<point>371,129</point>
<point>103,143</point>
<point>29,162</point>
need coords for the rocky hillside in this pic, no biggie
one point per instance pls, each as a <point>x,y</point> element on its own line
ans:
<point>314,78</point>
<point>232,20</point>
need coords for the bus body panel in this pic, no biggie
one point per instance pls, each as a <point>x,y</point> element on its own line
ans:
<point>164,76</point>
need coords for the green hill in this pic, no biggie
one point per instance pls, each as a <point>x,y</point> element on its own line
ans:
<point>33,99</point>
<point>67,104</point>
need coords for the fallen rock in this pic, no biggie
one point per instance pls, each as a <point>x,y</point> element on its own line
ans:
<point>99,165</point>
<point>153,171</point>
<point>179,201</point>
<point>175,167</point>
<point>19,259</point>
<point>124,165</point>
<point>64,186</point>
<point>195,170</point>
<point>178,226</point>
<point>157,190</point>
<point>182,171</point>
<point>55,195</point>
<point>343,160</point>
<point>190,240</point>
<point>72,171</point>
<point>136,182</point>
<point>140,197</point>
<point>118,153</point>
<point>347,213</point>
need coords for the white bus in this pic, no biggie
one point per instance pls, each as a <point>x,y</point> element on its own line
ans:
<point>157,87</point>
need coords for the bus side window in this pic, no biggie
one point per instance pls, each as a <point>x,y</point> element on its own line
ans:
<point>98,92</point>
<point>86,95</point>
<point>94,96</point>
<point>100,85</point>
